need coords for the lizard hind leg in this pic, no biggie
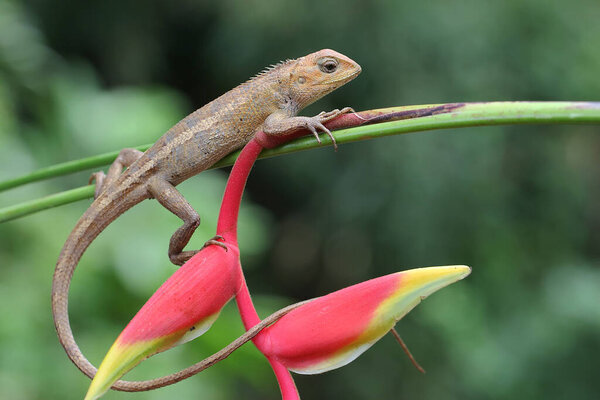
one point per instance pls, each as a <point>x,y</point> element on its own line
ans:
<point>172,200</point>
<point>125,158</point>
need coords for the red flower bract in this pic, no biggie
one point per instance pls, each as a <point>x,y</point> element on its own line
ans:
<point>183,308</point>
<point>198,290</point>
<point>333,330</point>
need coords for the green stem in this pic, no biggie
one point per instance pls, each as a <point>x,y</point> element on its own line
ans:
<point>53,200</point>
<point>467,115</point>
<point>424,118</point>
<point>64,169</point>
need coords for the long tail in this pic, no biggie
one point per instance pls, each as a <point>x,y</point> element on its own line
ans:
<point>105,209</point>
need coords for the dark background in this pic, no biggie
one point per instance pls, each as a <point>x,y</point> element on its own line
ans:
<point>519,204</point>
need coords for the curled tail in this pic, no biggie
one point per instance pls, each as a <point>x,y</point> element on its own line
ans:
<point>105,209</point>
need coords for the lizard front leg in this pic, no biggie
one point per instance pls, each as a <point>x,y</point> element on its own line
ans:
<point>125,158</point>
<point>280,123</point>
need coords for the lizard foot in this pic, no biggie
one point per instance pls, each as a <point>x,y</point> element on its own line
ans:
<point>97,177</point>
<point>215,241</point>
<point>183,257</point>
<point>317,121</point>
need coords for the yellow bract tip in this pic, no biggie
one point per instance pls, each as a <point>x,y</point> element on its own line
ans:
<point>417,284</point>
<point>119,360</point>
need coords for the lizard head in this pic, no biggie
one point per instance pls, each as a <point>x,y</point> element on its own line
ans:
<point>317,74</point>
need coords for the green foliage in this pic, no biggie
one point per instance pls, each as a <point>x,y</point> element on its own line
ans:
<point>518,204</point>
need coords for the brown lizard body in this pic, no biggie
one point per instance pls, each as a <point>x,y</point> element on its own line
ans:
<point>267,102</point>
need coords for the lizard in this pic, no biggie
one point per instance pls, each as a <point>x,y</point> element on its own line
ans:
<point>268,102</point>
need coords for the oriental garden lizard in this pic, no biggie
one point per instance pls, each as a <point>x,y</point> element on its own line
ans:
<point>268,102</point>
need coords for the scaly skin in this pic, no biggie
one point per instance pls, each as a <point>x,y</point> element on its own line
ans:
<point>268,102</point>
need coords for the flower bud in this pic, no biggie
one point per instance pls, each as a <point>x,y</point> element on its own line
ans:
<point>183,308</point>
<point>331,331</point>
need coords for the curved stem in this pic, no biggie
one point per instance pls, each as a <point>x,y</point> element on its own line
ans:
<point>227,227</point>
<point>230,206</point>
<point>250,319</point>
<point>246,307</point>
<point>284,379</point>
<point>366,125</point>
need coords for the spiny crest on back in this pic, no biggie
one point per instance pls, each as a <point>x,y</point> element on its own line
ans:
<point>272,67</point>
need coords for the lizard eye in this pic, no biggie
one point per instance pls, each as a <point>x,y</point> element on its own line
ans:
<point>327,65</point>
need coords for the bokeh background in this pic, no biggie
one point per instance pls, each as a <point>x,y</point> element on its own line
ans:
<point>520,204</point>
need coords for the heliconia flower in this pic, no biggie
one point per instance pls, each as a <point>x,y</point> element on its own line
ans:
<point>333,330</point>
<point>183,308</point>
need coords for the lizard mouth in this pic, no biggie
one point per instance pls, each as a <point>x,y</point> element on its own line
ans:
<point>343,78</point>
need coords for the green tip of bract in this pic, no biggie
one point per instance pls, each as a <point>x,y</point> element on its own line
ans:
<point>120,359</point>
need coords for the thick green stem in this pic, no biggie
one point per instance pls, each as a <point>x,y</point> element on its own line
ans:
<point>403,120</point>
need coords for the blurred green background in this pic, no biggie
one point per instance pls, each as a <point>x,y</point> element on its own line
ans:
<point>519,204</point>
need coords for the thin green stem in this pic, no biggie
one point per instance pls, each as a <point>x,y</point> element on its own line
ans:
<point>403,120</point>
<point>64,169</point>
<point>53,200</point>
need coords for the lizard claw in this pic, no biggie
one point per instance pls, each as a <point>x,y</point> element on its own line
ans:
<point>311,127</point>
<point>215,241</point>
<point>314,124</point>
<point>328,114</point>
<point>328,132</point>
